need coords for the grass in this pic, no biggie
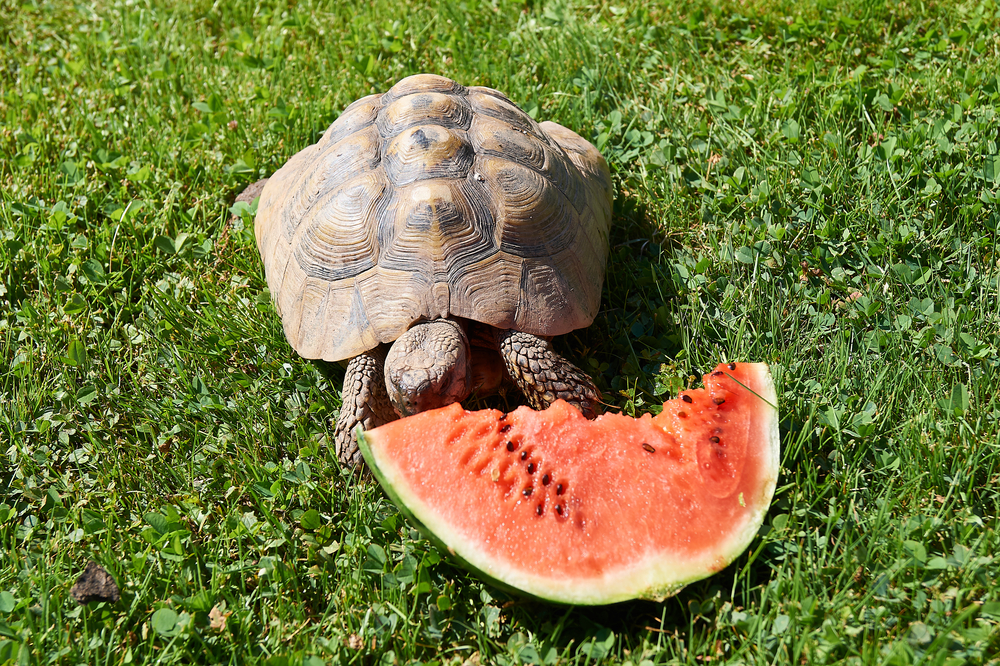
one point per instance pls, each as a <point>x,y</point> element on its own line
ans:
<point>809,184</point>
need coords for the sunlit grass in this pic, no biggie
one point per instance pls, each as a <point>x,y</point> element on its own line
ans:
<point>797,183</point>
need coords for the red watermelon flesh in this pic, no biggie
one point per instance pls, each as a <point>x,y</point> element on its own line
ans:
<point>588,512</point>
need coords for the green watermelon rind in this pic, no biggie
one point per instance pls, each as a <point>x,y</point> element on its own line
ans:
<point>655,578</point>
<point>404,508</point>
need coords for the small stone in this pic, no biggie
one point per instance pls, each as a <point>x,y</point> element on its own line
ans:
<point>95,584</point>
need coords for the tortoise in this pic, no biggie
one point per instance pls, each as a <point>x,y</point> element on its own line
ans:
<point>437,237</point>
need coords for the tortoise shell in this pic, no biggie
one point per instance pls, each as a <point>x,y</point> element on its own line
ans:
<point>434,200</point>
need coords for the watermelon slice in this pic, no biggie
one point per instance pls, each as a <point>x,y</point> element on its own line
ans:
<point>573,511</point>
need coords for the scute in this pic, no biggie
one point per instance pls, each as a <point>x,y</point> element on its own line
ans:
<point>543,288</point>
<point>422,83</point>
<point>533,218</point>
<point>427,151</point>
<point>355,117</point>
<point>434,200</point>
<point>495,137</point>
<point>339,162</point>
<point>490,103</point>
<point>491,284</point>
<point>396,313</point>
<point>427,108</point>
<point>336,242</point>
<point>433,227</point>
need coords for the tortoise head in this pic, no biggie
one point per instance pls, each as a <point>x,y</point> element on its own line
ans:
<point>428,366</point>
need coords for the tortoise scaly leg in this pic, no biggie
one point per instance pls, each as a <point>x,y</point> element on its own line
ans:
<point>364,402</point>
<point>543,375</point>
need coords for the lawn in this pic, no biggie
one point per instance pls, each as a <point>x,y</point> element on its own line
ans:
<point>809,184</point>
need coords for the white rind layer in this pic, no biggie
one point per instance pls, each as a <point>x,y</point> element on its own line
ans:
<point>656,577</point>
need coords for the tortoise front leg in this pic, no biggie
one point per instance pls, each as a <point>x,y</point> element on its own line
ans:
<point>544,376</point>
<point>364,402</point>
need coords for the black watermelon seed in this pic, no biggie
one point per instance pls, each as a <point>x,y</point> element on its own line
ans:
<point>524,454</point>
<point>682,414</point>
<point>503,417</point>
<point>560,489</point>
<point>718,401</point>
<point>545,480</point>
<point>717,373</point>
<point>511,446</point>
<point>559,509</point>
<point>506,428</point>
<point>539,510</point>
<point>686,398</point>
<point>526,492</point>
<point>648,447</point>
<point>731,366</point>
<point>714,440</point>
<point>531,468</point>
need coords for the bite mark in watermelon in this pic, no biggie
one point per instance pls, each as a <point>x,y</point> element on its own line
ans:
<point>590,512</point>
